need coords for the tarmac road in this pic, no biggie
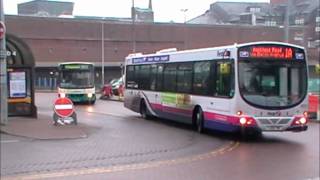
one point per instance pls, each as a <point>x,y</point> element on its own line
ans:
<point>120,145</point>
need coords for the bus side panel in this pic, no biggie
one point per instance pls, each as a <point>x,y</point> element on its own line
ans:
<point>175,114</point>
<point>176,106</point>
<point>221,126</point>
<point>218,114</point>
<point>132,100</point>
<point>167,105</point>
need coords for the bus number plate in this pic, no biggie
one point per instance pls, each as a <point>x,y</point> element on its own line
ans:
<point>273,128</point>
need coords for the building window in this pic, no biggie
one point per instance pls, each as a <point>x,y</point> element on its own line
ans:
<point>255,9</point>
<point>299,21</point>
<point>314,44</point>
<point>271,23</point>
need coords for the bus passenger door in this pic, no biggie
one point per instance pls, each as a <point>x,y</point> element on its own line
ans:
<point>224,85</point>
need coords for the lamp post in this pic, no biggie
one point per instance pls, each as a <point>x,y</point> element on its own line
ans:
<point>3,71</point>
<point>133,16</point>
<point>184,15</point>
<point>185,27</point>
<point>287,21</point>
<point>102,52</point>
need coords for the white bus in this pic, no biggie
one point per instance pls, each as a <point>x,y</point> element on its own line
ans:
<point>76,81</point>
<point>258,86</point>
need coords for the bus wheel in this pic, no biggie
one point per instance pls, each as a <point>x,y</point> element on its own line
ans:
<point>143,110</point>
<point>199,121</point>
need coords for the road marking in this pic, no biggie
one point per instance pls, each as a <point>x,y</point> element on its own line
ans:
<point>139,166</point>
<point>315,178</point>
<point>9,141</point>
<point>105,113</point>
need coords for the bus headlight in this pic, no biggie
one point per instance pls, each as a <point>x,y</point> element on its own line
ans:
<point>303,120</point>
<point>247,121</point>
<point>243,121</point>
<point>89,95</point>
<point>62,95</point>
<point>299,121</point>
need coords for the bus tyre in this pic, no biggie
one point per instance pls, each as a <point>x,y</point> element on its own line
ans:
<point>199,120</point>
<point>143,110</point>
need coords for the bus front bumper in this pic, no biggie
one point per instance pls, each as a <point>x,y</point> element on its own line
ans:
<point>81,97</point>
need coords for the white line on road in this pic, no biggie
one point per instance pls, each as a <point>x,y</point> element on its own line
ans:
<point>315,178</point>
<point>9,141</point>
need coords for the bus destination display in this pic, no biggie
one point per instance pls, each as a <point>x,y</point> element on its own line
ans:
<point>75,66</point>
<point>272,52</point>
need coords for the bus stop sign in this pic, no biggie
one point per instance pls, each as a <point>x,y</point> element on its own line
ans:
<point>2,30</point>
<point>63,107</point>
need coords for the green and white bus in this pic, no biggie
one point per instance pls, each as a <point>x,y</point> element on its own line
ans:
<point>76,81</point>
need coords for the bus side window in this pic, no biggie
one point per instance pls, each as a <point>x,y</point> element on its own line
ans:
<point>184,78</point>
<point>144,77</point>
<point>130,82</point>
<point>159,83</point>
<point>201,77</point>
<point>170,78</point>
<point>153,77</point>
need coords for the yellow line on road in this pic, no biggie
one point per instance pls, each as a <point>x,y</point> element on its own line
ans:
<point>69,173</point>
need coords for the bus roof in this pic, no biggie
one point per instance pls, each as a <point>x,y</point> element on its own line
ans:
<point>171,51</point>
<point>195,54</point>
<point>75,63</point>
<point>270,42</point>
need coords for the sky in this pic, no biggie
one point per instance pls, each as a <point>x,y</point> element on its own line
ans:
<point>164,10</point>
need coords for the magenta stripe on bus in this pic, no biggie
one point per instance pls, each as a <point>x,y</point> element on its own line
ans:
<point>185,112</point>
<point>221,117</point>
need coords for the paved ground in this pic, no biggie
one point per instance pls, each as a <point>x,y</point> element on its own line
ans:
<point>116,137</point>
<point>43,128</point>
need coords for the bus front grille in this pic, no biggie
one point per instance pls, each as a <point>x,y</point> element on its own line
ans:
<point>272,121</point>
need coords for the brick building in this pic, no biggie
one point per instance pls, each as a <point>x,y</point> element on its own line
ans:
<point>54,40</point>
